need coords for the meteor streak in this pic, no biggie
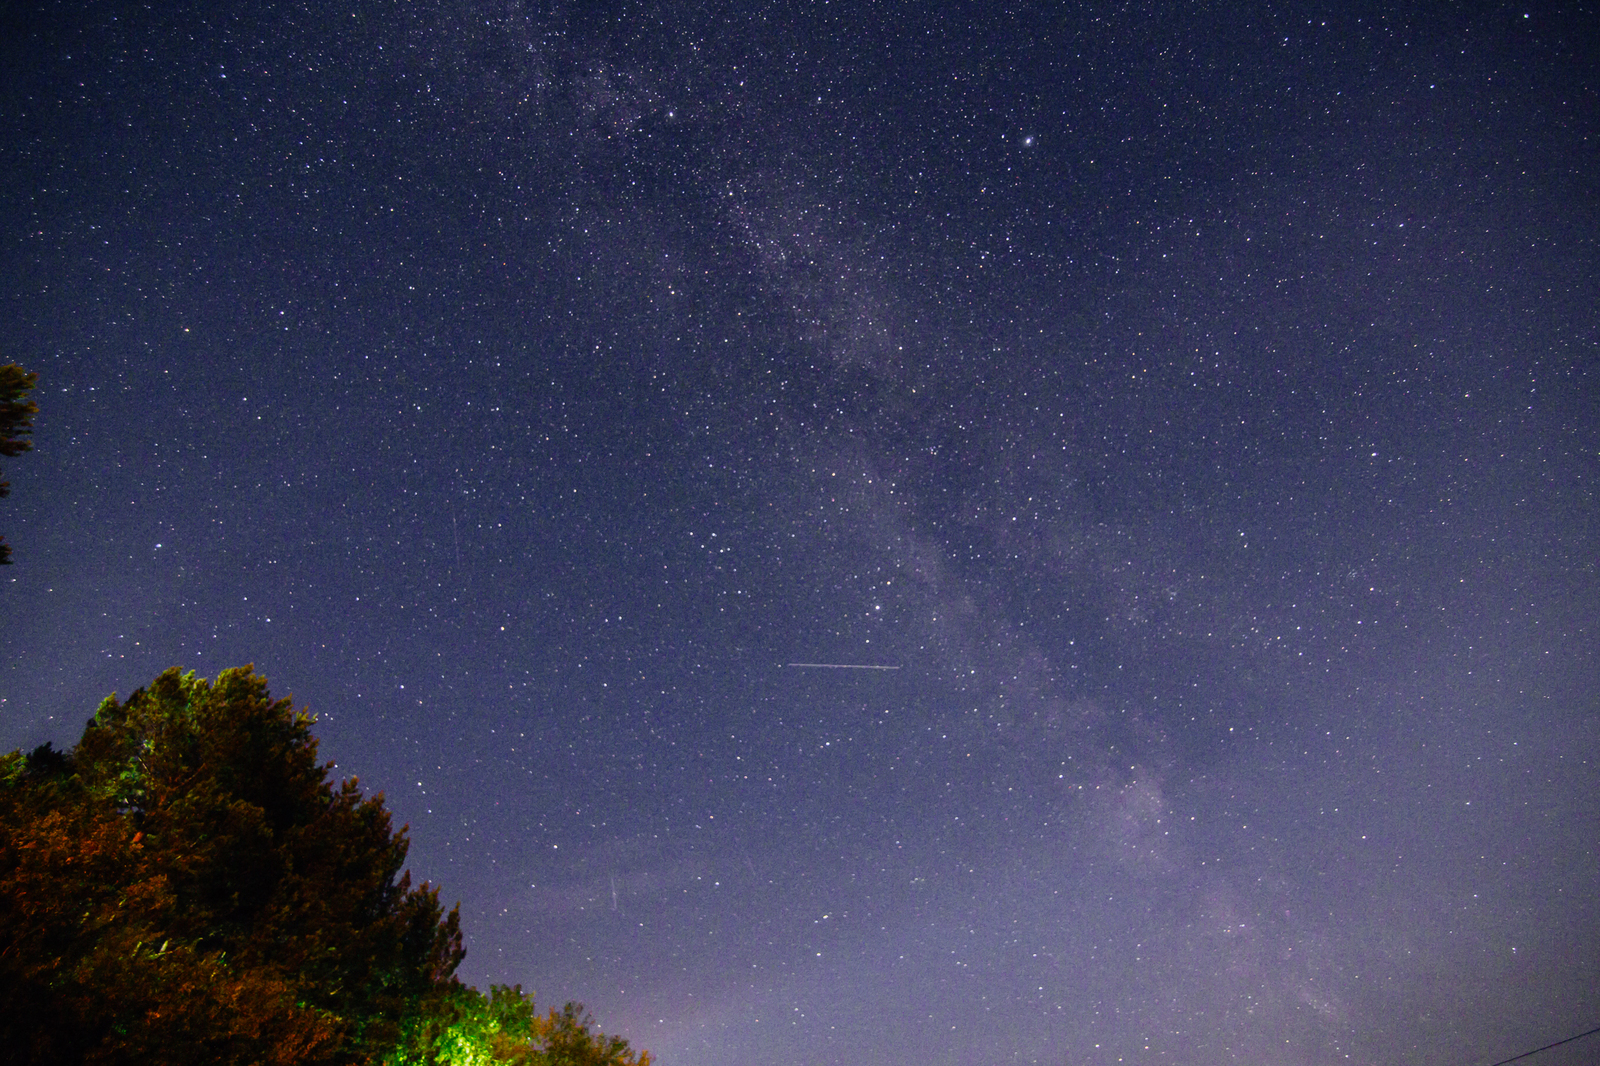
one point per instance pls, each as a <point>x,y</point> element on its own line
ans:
<point>840,666</point>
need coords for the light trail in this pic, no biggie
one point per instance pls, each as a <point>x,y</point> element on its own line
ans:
<point>839,666</point>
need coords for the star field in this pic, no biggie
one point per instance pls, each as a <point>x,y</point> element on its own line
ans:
<point>1197,407</point>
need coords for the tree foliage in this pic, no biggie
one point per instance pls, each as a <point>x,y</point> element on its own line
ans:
<point>186,886</point>
<point>463,1027</point>
<point>16,423</point>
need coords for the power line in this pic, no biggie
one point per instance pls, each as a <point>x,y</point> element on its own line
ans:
<point>1547,1047</point>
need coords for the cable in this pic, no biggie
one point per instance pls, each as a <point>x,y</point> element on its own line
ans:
<point>1547,1047</point>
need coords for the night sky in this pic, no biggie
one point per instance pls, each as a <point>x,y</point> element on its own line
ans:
<point>1197,406</point>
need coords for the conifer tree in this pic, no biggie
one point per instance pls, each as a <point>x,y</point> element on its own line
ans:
<point>16,423</point>
<point>186,886</point>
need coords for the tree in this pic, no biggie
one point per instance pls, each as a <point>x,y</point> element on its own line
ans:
<point>186,886</point>
<point>463,1027</point>
<point>16,423</point>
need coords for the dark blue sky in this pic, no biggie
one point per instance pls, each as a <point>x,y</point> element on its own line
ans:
<point>1199,406</point>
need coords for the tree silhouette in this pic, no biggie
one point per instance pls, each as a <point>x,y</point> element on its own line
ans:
<point>186,886</point>
<point>16,423</point>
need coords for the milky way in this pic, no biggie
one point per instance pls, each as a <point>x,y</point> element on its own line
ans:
<point>1197,410</point>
